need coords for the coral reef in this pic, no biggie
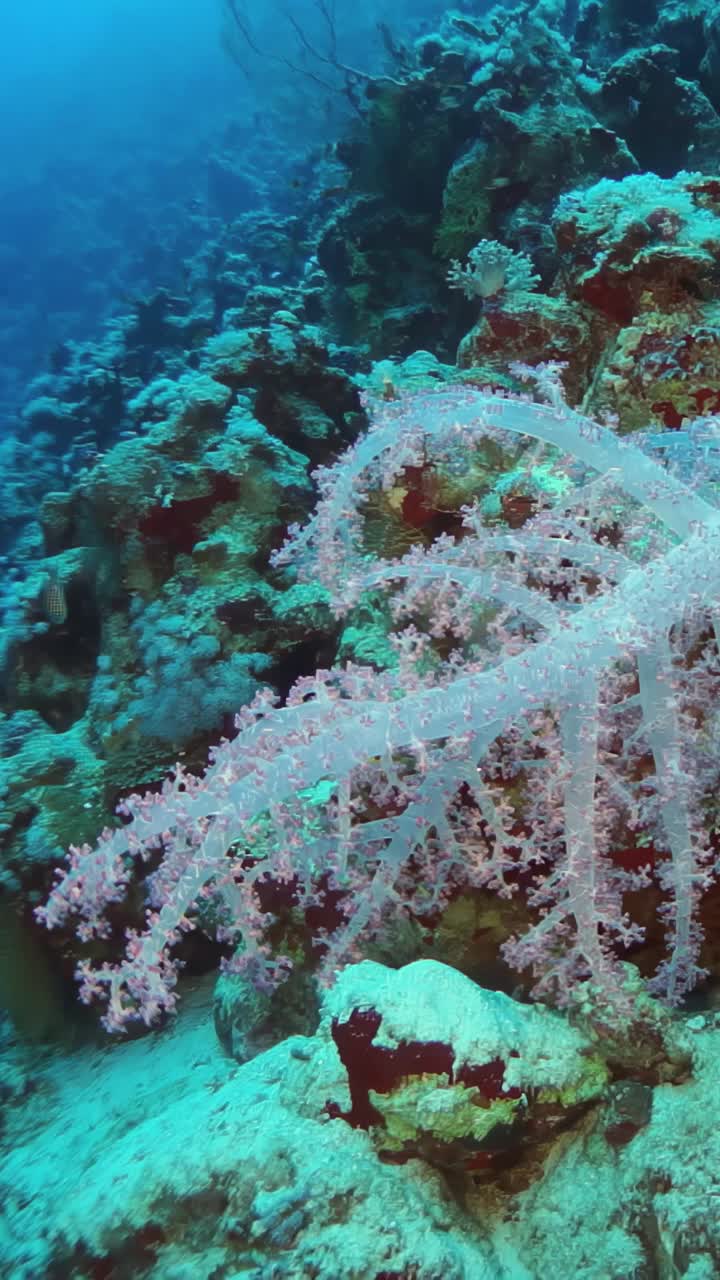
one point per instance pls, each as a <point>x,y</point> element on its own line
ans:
<point>396,226</point>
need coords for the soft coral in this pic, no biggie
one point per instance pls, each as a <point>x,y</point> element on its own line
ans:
<point>576,704</point>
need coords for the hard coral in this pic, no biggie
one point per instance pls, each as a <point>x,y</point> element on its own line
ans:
<point>642,257</point>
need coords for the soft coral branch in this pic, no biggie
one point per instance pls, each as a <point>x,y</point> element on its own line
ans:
<point>418,735</point>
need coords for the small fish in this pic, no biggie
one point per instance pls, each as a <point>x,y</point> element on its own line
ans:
<point>467,27</point>
<point>54,601</point>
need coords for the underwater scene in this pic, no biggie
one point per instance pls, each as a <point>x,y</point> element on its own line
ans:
<point>360,640</point>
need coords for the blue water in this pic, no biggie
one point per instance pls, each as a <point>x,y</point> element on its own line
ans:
<point>109,117</point>
<point>106,117</point>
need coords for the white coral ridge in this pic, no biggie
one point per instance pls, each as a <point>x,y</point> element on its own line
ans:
<point>428,1002</point>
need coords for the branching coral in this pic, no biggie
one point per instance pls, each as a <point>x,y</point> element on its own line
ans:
<point>573,714</point>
